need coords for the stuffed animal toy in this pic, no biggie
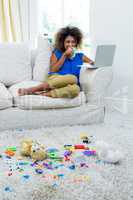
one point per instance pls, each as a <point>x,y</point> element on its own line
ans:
<point>107,153</point>
<point>25,148</point>
<point>33,149</point>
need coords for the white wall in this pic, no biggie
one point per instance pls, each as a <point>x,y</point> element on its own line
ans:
<point>111,20</point>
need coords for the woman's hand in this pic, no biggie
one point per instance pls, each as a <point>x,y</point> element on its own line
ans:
<point>69,52</point>
<point>88,60</point>
<point>91,62</point>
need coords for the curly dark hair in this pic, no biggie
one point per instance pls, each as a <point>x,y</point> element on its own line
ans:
<point>68,31</point>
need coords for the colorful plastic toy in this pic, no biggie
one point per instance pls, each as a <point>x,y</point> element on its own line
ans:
<point>89,152</point>
<point>79,146</point>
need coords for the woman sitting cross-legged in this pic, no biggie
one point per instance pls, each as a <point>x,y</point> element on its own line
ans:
<point>65,65</point>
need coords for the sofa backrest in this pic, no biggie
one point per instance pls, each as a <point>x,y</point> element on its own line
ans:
<point>20,63</point>
<point>33,54</point>
<point>41,58</point>
<point>14,63</point>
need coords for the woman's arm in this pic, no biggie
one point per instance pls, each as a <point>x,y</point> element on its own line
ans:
<point>88,60</point>
<point>56,64</point>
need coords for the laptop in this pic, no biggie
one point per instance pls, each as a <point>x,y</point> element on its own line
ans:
<point>104,56</point>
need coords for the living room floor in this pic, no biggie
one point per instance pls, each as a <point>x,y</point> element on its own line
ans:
<point>97,181</point>
<point>117,118</point>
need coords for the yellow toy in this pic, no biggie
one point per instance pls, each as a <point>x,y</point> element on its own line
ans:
<point>84,138</point>
<point>25,148</point>
<point>33,149</point>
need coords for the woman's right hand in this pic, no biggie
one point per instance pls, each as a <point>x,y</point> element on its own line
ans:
<point>69,52</point>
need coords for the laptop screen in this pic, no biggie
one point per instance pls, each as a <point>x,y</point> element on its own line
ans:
<point>104,55</point>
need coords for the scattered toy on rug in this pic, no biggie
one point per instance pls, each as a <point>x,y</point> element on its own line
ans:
<point>103,150</point>
<point>106,153</point>
<point>85,138</point>
<point>33,149</point>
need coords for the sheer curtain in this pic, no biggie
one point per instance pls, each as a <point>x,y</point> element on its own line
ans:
<point>18,20</point>
<point>23,20</point>
<point>10,21</point>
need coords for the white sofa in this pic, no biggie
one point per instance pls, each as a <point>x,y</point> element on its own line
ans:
<point>22,67</point>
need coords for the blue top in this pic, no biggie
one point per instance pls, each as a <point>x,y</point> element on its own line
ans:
<point>70,65</point>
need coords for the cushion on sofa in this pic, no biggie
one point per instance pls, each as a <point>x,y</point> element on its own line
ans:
<point>14,63</point>
<point>5,97</point>
<point>44,49</point>
<point>42,102</point>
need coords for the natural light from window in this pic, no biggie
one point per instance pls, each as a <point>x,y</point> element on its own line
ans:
<point>54,14</point>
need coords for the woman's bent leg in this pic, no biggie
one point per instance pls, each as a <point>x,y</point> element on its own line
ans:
<point>59,81</point>
<point>32,90</point>
<point>53,82</point>
<point>70,91</point>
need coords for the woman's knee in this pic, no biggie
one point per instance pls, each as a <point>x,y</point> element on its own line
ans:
<point>69,91</point>
<point>74,90</point>
<point>72,79</point>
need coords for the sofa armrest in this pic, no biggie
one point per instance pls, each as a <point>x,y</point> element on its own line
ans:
<point>95,82</point>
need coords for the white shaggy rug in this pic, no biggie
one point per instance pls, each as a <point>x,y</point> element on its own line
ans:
<point>99,180</point>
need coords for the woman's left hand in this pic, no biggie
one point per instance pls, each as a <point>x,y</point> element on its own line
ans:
<point>92,62</point>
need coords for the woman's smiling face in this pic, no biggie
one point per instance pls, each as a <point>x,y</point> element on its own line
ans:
<point>70,42</point>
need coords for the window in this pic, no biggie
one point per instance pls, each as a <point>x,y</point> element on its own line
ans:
<point>56,14</point>
<point>50,17</point>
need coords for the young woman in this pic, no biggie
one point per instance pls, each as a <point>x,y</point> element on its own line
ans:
<point>65,65</point>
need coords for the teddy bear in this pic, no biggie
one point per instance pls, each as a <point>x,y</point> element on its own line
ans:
<point>33,149</point>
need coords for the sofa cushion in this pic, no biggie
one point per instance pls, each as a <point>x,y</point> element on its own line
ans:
<point>42,102</point>
<point>44,49</point>
<point>14,63</point>
<point>5,97</point>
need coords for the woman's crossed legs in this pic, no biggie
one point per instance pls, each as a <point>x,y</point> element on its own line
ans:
<point>57,86</point>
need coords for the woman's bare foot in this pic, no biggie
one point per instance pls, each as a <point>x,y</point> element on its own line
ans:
<point>24,91</point>
<point>34,90</point>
